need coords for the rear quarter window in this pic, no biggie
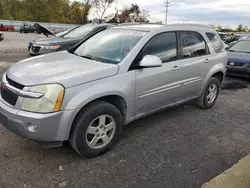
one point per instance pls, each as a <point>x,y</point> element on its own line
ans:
<point>216,42</point>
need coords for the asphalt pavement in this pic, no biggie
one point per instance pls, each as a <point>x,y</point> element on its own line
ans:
<point>15,41</point>
<point>182,147</point>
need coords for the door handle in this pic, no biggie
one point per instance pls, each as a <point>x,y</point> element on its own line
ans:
<point>175,68</point>
<point>206,60</point>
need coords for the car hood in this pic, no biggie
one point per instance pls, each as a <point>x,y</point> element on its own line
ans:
<point>54,40</point>
<point>44,30</point>
<point>238,57</point>
<point>61,67</point>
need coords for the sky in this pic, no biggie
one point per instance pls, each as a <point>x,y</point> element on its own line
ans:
<point>219,12</point>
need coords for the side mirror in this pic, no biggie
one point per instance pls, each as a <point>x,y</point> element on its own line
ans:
<point>150,61</point>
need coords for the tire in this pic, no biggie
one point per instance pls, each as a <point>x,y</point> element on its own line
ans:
<point>81,139</point>
<point>203,101</point>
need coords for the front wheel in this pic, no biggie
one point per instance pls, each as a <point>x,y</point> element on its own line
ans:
<point>96,129</point>
<point>210,94</point>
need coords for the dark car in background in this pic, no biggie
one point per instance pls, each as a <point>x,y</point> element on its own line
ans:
<point>61,33</point>
<point>1,36</point>
<point>231,39</point>
<point>65,41</point>
<point>239,58</point>
<point>29,28</point>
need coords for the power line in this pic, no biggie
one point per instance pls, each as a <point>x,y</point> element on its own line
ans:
<point>166,4</point>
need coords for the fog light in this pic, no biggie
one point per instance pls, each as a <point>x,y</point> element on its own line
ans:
<point>31,127</point>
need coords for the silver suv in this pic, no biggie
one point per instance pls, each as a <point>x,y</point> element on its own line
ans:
<point>86,95</point>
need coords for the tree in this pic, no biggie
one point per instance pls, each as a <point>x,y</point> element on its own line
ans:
<point>58,11</point>
<point>157,22</point>
<point>240,28</point>
<point>130,14</point>
<point>78,12</point>
<point>134,12</point>
<point>143,16</point>
<point>101,6</point>
<point>245,28</point>
<point>212,26</point>
<point>219,27</point>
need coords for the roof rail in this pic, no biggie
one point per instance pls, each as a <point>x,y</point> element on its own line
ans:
<point>139,23</point>
<point>189,24</point>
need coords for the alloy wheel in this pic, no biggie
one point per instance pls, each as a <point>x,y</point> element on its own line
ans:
<point>100,131</point>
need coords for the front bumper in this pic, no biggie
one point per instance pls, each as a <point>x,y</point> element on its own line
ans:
<point>49,127</point>
<point>242,71</point>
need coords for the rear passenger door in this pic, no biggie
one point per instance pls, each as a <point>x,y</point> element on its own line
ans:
<point>194,63</point>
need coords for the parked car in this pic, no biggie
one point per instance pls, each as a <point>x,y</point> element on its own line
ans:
<point>231,38</point>
<point>239,58</point>
<point>29,28</point>
<point>60,34</point>
<point>86,95</point>
<point>6,27</point>
<point>223,35</point>
<point>59,43</point>
<point>1,36</point>
<point>235,41</point>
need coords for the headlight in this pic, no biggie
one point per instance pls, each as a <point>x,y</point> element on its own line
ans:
<point>50,102</point>
<point>54,47</point>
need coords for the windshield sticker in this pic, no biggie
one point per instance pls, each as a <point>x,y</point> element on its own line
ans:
<point>139,33</point>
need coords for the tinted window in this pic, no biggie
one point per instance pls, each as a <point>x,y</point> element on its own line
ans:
<point>193,44</point>
<point>216,42</point>
<point>163,46</point>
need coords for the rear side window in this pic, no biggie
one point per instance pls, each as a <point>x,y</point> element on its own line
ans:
<point>163,45</point>
<point>193,44</point>
<point>216,42</point>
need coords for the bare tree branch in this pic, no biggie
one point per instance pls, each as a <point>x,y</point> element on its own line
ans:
<point>101,6</point>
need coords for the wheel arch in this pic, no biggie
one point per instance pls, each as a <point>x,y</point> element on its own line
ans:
<point>218,71</point>
<point>117,100</point>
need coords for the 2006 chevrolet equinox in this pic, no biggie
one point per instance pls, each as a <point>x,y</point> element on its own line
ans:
<point>86,95</point>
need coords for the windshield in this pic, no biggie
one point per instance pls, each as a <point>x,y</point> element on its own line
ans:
<point>110,46</point>
<point>80,32</point>
<point>241,46</point>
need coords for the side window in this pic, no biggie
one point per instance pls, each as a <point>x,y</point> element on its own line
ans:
<point>193,44</point>
<point>216,42</point>
<point>163,45</point>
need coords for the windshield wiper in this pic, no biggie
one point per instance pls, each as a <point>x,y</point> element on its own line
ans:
<point>231,50</point>
<point>87,57</point>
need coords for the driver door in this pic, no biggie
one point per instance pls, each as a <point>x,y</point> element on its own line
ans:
<point>159,86</point>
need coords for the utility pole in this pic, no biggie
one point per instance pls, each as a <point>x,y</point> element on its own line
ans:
<point>166,11</point>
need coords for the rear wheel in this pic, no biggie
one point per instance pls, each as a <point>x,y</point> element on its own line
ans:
<point>210,94</point>
<point>96,129</point>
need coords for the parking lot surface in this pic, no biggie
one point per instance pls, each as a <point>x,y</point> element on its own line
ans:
<point>182,147</point>
<point>15,41</point>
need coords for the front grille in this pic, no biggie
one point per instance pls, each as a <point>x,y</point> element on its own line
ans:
<point>36,48</point>
<point>7,95</point>
<point>236,64</point>
<point>14,84</point>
